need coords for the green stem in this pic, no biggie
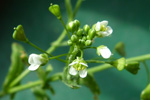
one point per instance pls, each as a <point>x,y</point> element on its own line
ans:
<point>77,7</point>
<point>95,61</point>
<point>65,28</point>
<point>19,78</point>
<point>44,51</point>
<point>57,56</point>
<point>147,71</point>
<point>107,66</point>
<point>90,48</point>
<point>33,45</point>
<point>68,8</point>
<point>63,34</point>
<point>55,77</point>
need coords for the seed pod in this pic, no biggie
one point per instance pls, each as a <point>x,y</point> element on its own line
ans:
<point>19,34</point>
<point>55,10</point>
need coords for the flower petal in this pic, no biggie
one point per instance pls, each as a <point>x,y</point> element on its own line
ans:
<point>31,58</point>
<point>98,26</point>
<point>109,30</point>
<point>105,52</point>
<point>33,67</point>
<point>72,71</point>
<point>105,22</point>
<point>83,64</point>
<point>72,63</point>
<point>83,73</point>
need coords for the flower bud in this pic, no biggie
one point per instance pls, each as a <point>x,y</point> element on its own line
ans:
<point>55,10</point>
<point>86,28</point>
<point>145,95</point>
<point>74,38</point>
<point>79,32</point>
<point>88,42</point>
<point>119,64</point>
<point>71,26</point>
<point>132,67</point>
<point>91,34</point>
<point>19,34</point>
<point>120,48</point>
<point>77,24</point>
<point>69,42</point>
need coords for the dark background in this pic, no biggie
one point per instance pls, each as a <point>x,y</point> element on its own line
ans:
<point>130,20</point>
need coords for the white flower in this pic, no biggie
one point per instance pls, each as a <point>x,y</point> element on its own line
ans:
<point>36,60</point>
<point>103,51</point>
<point>102,29</point>
<point>78,65</point>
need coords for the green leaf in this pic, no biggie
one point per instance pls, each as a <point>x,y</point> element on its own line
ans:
<point>16,66</point>
<point>145,95</point>
<point>120,48</point>
<point>90,82</point>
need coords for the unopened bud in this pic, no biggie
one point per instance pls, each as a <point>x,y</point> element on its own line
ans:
<point>86,28</point>
<point>88,42</point>
<point>74,38</point>
<point>91,34</point>
<point>80,32</point>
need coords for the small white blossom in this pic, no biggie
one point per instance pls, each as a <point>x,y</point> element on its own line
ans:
<point>102,29</point>
<point>35,61</point>
<point>104,51</point>
<point>78,65</point>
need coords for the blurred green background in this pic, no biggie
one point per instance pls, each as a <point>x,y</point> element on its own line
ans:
<point>130,20</point>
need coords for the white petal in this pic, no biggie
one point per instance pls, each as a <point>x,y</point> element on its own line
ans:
<point>31,57</point>
<point>33,67</point>
<point>105,52</point>
<point>72,63</point>
<point>83,73</point>
<point>72,71</point>
<point>105,22</point>
<point>109,30</point>
<point>37,59</point>
<point>84,64</point>
<point>98,26</point>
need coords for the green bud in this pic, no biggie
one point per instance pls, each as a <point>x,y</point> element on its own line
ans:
<point>74,38</point>
<point>91,34</point>
<point>120,48</point>
<point>119,64</point>
<point>132,67</point>
<point>86,28</point>
<point>69,42</point>
<point>19,34</point>
<point>84,38</point>
<point>71,26</point>
<point>88,42</point>
<point>55,10</point>
<point>145,95</point>
<point>44,59</point>
<point>80,32</point>
<point>77,24</point>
